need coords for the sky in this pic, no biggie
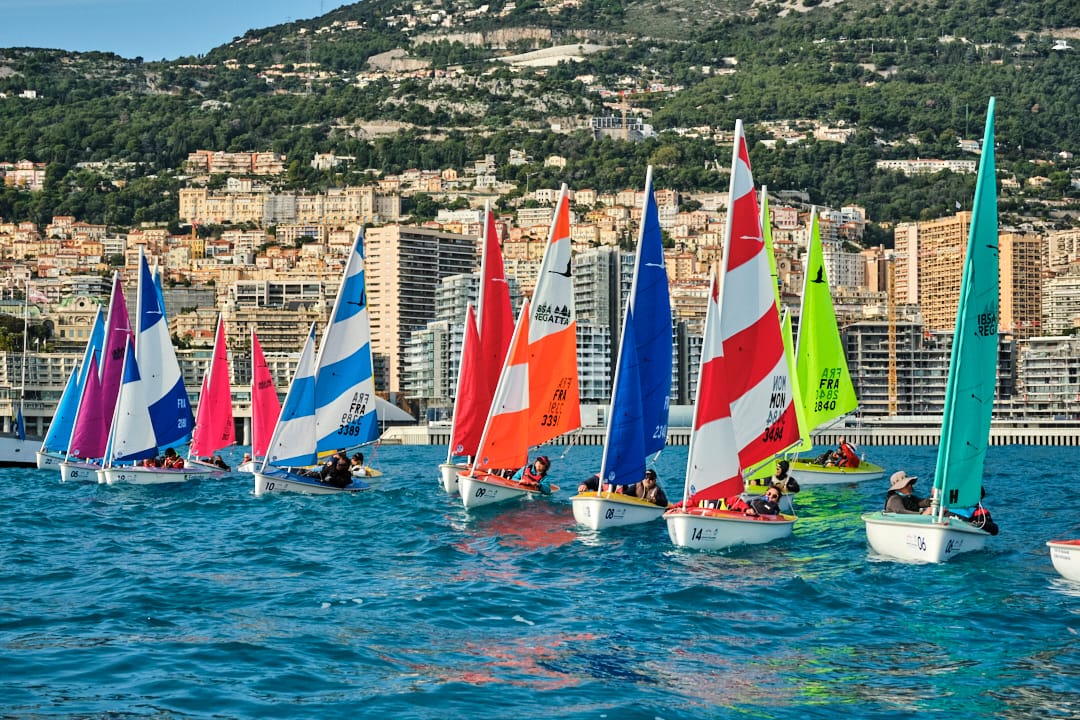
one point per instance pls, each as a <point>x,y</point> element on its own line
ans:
<point>150,29</point>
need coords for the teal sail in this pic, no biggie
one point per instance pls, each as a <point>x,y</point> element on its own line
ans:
<point>969,394</point>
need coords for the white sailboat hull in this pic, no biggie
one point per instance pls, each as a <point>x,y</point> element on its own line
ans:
<point>480,490</point>
<point>18,453</point>
<point>808,473</point>
<point>920,538</point>
<point>78,471</point>
<point>279,481</point>
<point>448,476</point>
<point>707,529</point>
<point>49,460</point>
<point>606,510</point>
<point>1065,555</point>
<point>140,475</point>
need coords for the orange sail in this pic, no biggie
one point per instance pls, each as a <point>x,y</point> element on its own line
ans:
<point>502,445</point>
<point>552,363</point>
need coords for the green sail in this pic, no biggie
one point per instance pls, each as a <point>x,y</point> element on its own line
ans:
<point>821,366</point>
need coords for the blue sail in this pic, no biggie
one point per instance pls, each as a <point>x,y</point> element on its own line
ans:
<point>638,417</point>
<point>170,409</point>
<point>650,304</point>
<point>969,394</point>
<point>624,446</point>
<point>63,421</point>
<point>344,382</point>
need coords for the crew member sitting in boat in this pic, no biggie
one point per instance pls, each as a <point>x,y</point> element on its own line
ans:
<point>172,460</point>
<point>649,490</point>
<point>769,505</point>
<point>338,476</point>
<point>978,516</point>
<point>901,498</point>
<point>357,466</point>
<point>846,455</point>
<point>534,476</point>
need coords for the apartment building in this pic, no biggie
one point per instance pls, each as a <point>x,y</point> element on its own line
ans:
<point>404,266</point>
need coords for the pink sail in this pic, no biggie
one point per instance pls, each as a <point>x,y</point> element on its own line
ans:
<point>87,442</point>
<point>118,333</point>
<point>214,427</point>
<point>265,405</point>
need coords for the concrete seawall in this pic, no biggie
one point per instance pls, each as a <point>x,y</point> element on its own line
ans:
<point>1018,433</point>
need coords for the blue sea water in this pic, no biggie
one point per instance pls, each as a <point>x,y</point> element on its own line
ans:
<point>203,601</point>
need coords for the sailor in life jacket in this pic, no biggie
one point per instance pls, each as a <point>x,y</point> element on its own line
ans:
<point>534,476</point>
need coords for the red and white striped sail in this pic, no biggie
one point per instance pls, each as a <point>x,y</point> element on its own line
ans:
<point>214,427</point>
<point>712,468</point>
<point>756,366</point>
<point>553,372</point>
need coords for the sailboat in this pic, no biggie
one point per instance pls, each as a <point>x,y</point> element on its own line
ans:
<point>744,412</point>
<point>1065,555</point>
<point>486,341</point>
<point>969,397</point>
<point>55,445</point>
<point>330,404</point>
<point>18,450</point>
<point>265,406</point>
<point>537,397</point>
<point>823,378</point>
<point>214,426</point>
<point>152,408</point>
<point>90,431</point>
<point>641,392</point>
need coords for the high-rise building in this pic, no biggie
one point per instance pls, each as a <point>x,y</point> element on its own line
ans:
<point>942,245</point>
<point>404,266</point>
<point>1020,266</point>
<point>1061,303</point>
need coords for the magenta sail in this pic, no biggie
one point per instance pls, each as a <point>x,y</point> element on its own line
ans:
<point>214,427</point>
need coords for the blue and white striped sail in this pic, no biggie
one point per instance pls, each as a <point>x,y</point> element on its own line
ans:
<point>132,437</point>
<point>969,393</point>
<point>641,393</point>
<point>293,441</point>
<point>170,409</point>
<point>344,384</point>
<point>63,422</point>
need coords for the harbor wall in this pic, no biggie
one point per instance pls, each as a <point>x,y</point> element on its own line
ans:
<point>1057,434</point>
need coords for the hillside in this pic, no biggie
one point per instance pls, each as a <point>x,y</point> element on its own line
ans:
<point>395,87</point>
